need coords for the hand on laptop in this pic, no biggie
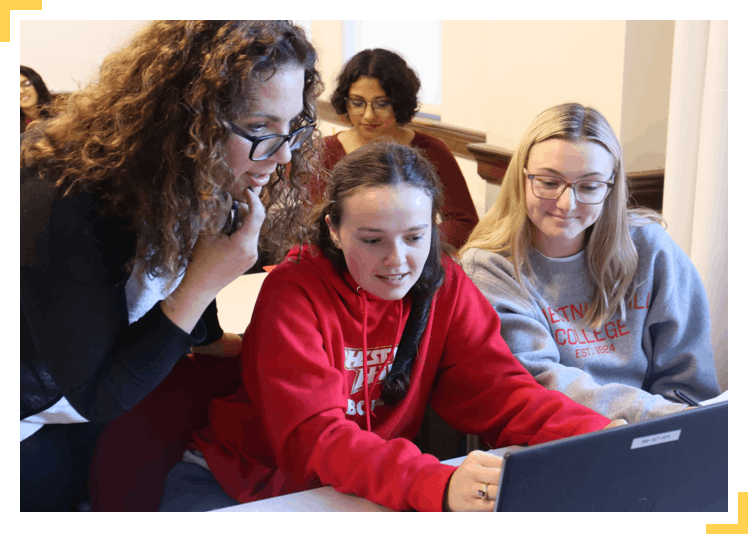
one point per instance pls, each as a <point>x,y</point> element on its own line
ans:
<point>616,422</point>
<point>474,485</point>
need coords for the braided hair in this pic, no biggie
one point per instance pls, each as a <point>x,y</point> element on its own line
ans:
<point>377,165</point>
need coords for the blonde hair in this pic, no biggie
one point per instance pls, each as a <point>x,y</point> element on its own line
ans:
<point>611,256</point>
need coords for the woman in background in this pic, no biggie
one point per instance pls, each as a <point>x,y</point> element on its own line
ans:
<point>378,92</point>
<point>595,300</point>
<point>353,335</point>
<point>35,98</point>
<point>139,203</point>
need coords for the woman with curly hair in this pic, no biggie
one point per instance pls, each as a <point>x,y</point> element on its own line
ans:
<point>378,92</point>
<point>162,182</point>
<point>35,98</point>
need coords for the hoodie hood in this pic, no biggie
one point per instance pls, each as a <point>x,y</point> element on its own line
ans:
<point>371,312</point>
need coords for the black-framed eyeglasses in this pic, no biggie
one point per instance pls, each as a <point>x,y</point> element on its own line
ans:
<point>25,84</point>
<point>551,188</point>
<point>267,145</point>
<point>357,106</point>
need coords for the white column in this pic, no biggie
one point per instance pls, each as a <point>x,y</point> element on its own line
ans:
<point>684,121</point>
<point>709,235</point>
<point>695,195</point>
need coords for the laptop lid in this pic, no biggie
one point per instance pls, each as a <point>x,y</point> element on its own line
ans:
<point>675,463</point>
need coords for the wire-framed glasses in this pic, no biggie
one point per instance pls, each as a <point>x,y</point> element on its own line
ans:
<point>267,145</point>
<point>551,188</point>
<point>357,106</point>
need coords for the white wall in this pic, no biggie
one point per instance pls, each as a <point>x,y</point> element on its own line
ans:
<point>67,54</point>
<point>500,74</point>
<point>646,93</point>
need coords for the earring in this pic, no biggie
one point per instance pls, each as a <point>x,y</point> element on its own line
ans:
<point>336,243</point>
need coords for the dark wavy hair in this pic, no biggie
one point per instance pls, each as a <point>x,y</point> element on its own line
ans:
<point>382,164</point>
<point>149,134</point>
<point>43,96</point>
<point>397,79</point>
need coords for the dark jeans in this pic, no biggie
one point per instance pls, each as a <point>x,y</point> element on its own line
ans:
<point>55,463</point>
<point>192,488</point>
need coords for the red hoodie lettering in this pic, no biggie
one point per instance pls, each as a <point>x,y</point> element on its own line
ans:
<point>358,408</point>
<point>354,361</point>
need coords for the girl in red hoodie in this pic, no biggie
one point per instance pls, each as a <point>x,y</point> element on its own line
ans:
<point>353,334</point>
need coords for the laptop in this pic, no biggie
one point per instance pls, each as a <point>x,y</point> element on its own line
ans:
<point>675,463</point>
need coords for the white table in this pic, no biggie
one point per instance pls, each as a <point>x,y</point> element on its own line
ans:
<point>327,499</point>
<point>236,302</point>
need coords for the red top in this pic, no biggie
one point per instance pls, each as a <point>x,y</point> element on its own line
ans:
<point>299,419</point>
<point>459,212</point>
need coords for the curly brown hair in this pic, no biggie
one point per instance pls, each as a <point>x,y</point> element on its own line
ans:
<point>148,135</point>
<point>399,82</point>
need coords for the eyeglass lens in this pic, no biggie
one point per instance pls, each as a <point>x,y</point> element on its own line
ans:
<point>267,147</point>
<point>380,107</point>
<point>588,192</point>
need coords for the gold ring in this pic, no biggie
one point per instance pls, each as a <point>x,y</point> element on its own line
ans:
<point>483,492</point>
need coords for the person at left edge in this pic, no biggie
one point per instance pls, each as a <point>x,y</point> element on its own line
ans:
<point>124,198</point>
<point>35,98</point>
<point>352,336</point>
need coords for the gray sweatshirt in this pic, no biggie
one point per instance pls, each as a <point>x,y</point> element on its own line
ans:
<point>627,369</point>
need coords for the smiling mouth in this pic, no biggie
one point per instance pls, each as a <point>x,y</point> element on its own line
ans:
<point>392,277</point>
<point>260,179</point>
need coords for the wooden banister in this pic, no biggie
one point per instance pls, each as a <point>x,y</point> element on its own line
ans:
<point>492,161</point>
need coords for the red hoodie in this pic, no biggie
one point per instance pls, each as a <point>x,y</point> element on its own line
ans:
<point>299,421</point>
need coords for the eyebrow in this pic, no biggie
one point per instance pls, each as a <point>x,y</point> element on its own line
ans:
<point>378,230</point>
<point>554,171</point>
<point>360,97</point>
<point>272,118</point>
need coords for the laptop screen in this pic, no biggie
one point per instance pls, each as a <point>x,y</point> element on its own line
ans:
<point>675,463</point>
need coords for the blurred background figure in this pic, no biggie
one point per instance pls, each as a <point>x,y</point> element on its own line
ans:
<point>378,92</point>
<point>35,98</point>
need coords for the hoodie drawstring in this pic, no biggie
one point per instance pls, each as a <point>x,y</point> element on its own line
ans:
<point>368,391</point>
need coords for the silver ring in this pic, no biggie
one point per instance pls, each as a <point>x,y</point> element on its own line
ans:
<point>483,492</point>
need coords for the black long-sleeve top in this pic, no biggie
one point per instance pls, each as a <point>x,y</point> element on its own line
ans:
<point>76,340</point>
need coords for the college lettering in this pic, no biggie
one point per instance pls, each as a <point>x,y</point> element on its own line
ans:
<point>583,336</point>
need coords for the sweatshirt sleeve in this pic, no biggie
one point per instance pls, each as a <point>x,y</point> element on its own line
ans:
<point>213,330</point>
<point>74,320</point>
<point>460,216</point>
<point>481,389</point>
<point>300,394</point>
<point>526,333</point>
<point>677,330</point>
